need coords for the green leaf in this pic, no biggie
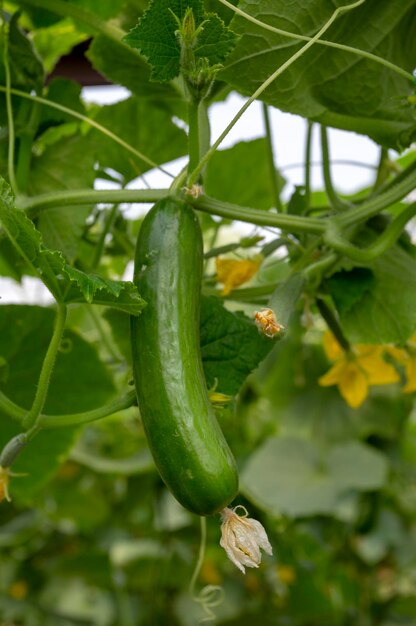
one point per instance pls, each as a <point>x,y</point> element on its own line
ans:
<point>4,370</point>
<point>66,92</point>
<point>284,299</point>
<point>296,477</point>
<point>57,40</point>
<point>386,312</point>
<point>79,382</point>
<point>104,9</point>
<point>156,37</point>
<point>120,329</point>
<point>326,84</point>
<point>26,68</point>
<point>229,175</point>
<point>231,346</point>
<point>27,240</point>
<point>66,164</point>
<point>144,124</point>
<point>347,288</point>
<point>119,294</point>
<point>297,204</point>
<point>65,282</point>
<point>124,66</point>
<point>387,533</point>
<point>11,263</point>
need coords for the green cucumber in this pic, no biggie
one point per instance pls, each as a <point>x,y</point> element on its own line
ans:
<point>187,444</point>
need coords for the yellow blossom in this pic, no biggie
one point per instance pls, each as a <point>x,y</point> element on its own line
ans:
<point>286,574</point>
<point>219,399</point>
<point>353,372</point>
<point>234,272</point>
<point>4,484</point>
<point>407,358</point>
<point>19,590</point>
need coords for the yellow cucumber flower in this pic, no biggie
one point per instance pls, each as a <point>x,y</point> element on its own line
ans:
<point>4,484</point>
<point>234,272</point>
<point>355,371</point>
<point>407,358</point>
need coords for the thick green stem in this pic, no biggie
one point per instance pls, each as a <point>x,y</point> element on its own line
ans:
<point>209,205</point>
<point>293,223</point>
<point>395,191</point>
<point>336,203</point>
<point>73,197</point>
<point>99,249</point>
<point>245,294</point>
<point>25,148</point>
<point>204,127</point>
<point>194,146</point>
<point>74,419</point>
<point>308,163</point>
<point>270,157</point>
<point>333,324</point>
<point>9,107</point>
<point>383,169</point>
<point>315,271</point>
<point>8,407</point>
<point>32,417</point>
<point>388,238</point>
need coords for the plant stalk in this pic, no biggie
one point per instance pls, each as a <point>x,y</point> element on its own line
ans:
<point>31,420</point>
<point>270,157</point>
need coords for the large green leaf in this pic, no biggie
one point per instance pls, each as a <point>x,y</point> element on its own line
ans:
<point>26,68</point>
<point>65,164</point>
<point>156,36</point>
<point>65,282</point>
<point>57,40</point>
<point>231,346</point>
<point>348,287</point>
<point>61,91</point>
<point>386,310</point>
<point>104,9</point>
<point>144,124</point>
<point>331,86</point>
<point>124,66</point>
<point>229,175</point>
<point>80,382</point>
<point>297,477</point>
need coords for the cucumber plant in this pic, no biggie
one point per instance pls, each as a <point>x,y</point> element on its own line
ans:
<point>309,368</point>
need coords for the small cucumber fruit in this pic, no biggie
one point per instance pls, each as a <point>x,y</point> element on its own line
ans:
<point>186,441</point>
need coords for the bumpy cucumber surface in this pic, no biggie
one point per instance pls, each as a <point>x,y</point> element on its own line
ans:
<point>186,441</point>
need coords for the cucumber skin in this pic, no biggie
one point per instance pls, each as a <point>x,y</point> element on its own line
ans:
<point>187,444</point>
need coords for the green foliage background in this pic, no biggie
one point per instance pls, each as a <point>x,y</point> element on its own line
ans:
<point>92,537</point>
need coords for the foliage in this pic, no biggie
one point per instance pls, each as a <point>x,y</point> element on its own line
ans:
<point>320,416</point>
